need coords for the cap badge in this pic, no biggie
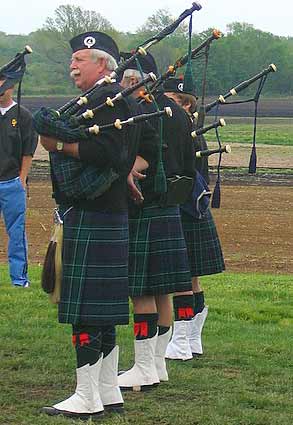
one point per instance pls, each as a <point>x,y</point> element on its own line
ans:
<point>180,86</point>
<point>89,41</point>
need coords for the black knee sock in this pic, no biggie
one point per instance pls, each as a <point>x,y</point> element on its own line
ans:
<point>108,339</point>
<point>87,342</point>
<point>183,307</point>
<point>162,330</point>
<point>145,325</point>
<point>198,302</point>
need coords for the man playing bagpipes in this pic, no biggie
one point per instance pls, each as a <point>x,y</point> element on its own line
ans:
<point>94,291</point>
<point>202,241</point>
<point>18,142</point>
<point>158,262</point>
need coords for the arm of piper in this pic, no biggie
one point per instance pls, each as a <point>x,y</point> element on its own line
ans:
<point>54,145</point>
<point>140,164</point>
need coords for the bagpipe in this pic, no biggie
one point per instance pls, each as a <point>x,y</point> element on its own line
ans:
<point>202,130</point>
<point>261,77</point>
<point>182,61</point>
<point>221,100</point>
<point>68,123</point>
<point>199,200</point>
<point>13,71</point>
<point>74,104</point>
<point>16,62</point>
<point>77,180</point>
<point>209,152</point>
<point>64,114</point>
<point>241,86</point>
<point>200,193</point>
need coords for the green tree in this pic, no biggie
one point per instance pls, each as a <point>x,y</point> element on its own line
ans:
<point>52,40</point>
<point>72,20</point>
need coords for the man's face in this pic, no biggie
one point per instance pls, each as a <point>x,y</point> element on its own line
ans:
<point>5,97</point>
<point>84,71</point>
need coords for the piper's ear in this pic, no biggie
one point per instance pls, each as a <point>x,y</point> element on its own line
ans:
<point>101,64</point>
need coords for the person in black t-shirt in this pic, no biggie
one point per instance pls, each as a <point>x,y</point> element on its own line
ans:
<point>18,142</point>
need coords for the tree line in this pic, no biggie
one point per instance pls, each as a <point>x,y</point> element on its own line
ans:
<point>242,52</point>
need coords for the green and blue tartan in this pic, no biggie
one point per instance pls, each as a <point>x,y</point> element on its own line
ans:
<point>95,268</point>
<point>158,261</point>
<point>203,244</point>
<point>77,180</point>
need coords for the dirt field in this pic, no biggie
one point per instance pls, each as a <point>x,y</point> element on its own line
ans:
<point>254,223</point>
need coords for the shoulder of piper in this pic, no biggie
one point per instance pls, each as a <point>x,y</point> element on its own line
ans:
<point>109,90</point>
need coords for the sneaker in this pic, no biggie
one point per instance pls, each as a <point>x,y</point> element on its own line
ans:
<point>25,285</point>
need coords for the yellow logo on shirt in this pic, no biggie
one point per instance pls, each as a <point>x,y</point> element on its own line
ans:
<point>13,122</point>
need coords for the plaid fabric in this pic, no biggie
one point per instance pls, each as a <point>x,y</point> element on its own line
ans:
<point>158,262</point>
<point>203,244</point>
<point>95,268</point>
<point>80,181</point>
<point>47,122</point>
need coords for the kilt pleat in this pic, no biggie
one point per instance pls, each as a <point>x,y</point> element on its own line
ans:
<point>158,262</point>
<point>95,268</point>
<point>203,245</point>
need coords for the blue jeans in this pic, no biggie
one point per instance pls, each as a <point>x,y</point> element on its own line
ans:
<point>13,208</point>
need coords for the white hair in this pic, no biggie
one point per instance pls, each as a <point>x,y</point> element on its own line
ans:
<point>96,54</point>
<point>128,73</point>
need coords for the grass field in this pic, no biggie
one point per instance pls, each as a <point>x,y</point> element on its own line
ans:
<point>270,131</point>
<point>244,377</point>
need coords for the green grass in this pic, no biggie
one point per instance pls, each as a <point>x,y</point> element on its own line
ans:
<point>244,377</point>
<point>270,131</point>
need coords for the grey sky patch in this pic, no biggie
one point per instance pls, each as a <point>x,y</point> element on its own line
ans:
<point>19,17</point>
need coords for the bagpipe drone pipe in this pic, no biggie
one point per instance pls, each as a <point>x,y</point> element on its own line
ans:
<point>183,60</point>
<point>204,108</point>
<point>240,87</point>
<point>261,77</point>
<point>199,200</point>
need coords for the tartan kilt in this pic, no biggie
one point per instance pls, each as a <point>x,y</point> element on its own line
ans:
<point>203,244</point>
<point>95,268</point>
<point>158,261</point>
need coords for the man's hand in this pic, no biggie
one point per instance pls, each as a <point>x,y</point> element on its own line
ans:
<point>49,143</point>
<point>23,181</point>
<point>135,193</point>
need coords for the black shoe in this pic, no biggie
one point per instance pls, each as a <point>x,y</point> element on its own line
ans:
<point>51,411</point>
<point>115,408</point>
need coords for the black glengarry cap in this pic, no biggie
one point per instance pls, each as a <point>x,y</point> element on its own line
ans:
<point>95,40</point>
<point>177,85</point>
<point>147,63</point>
